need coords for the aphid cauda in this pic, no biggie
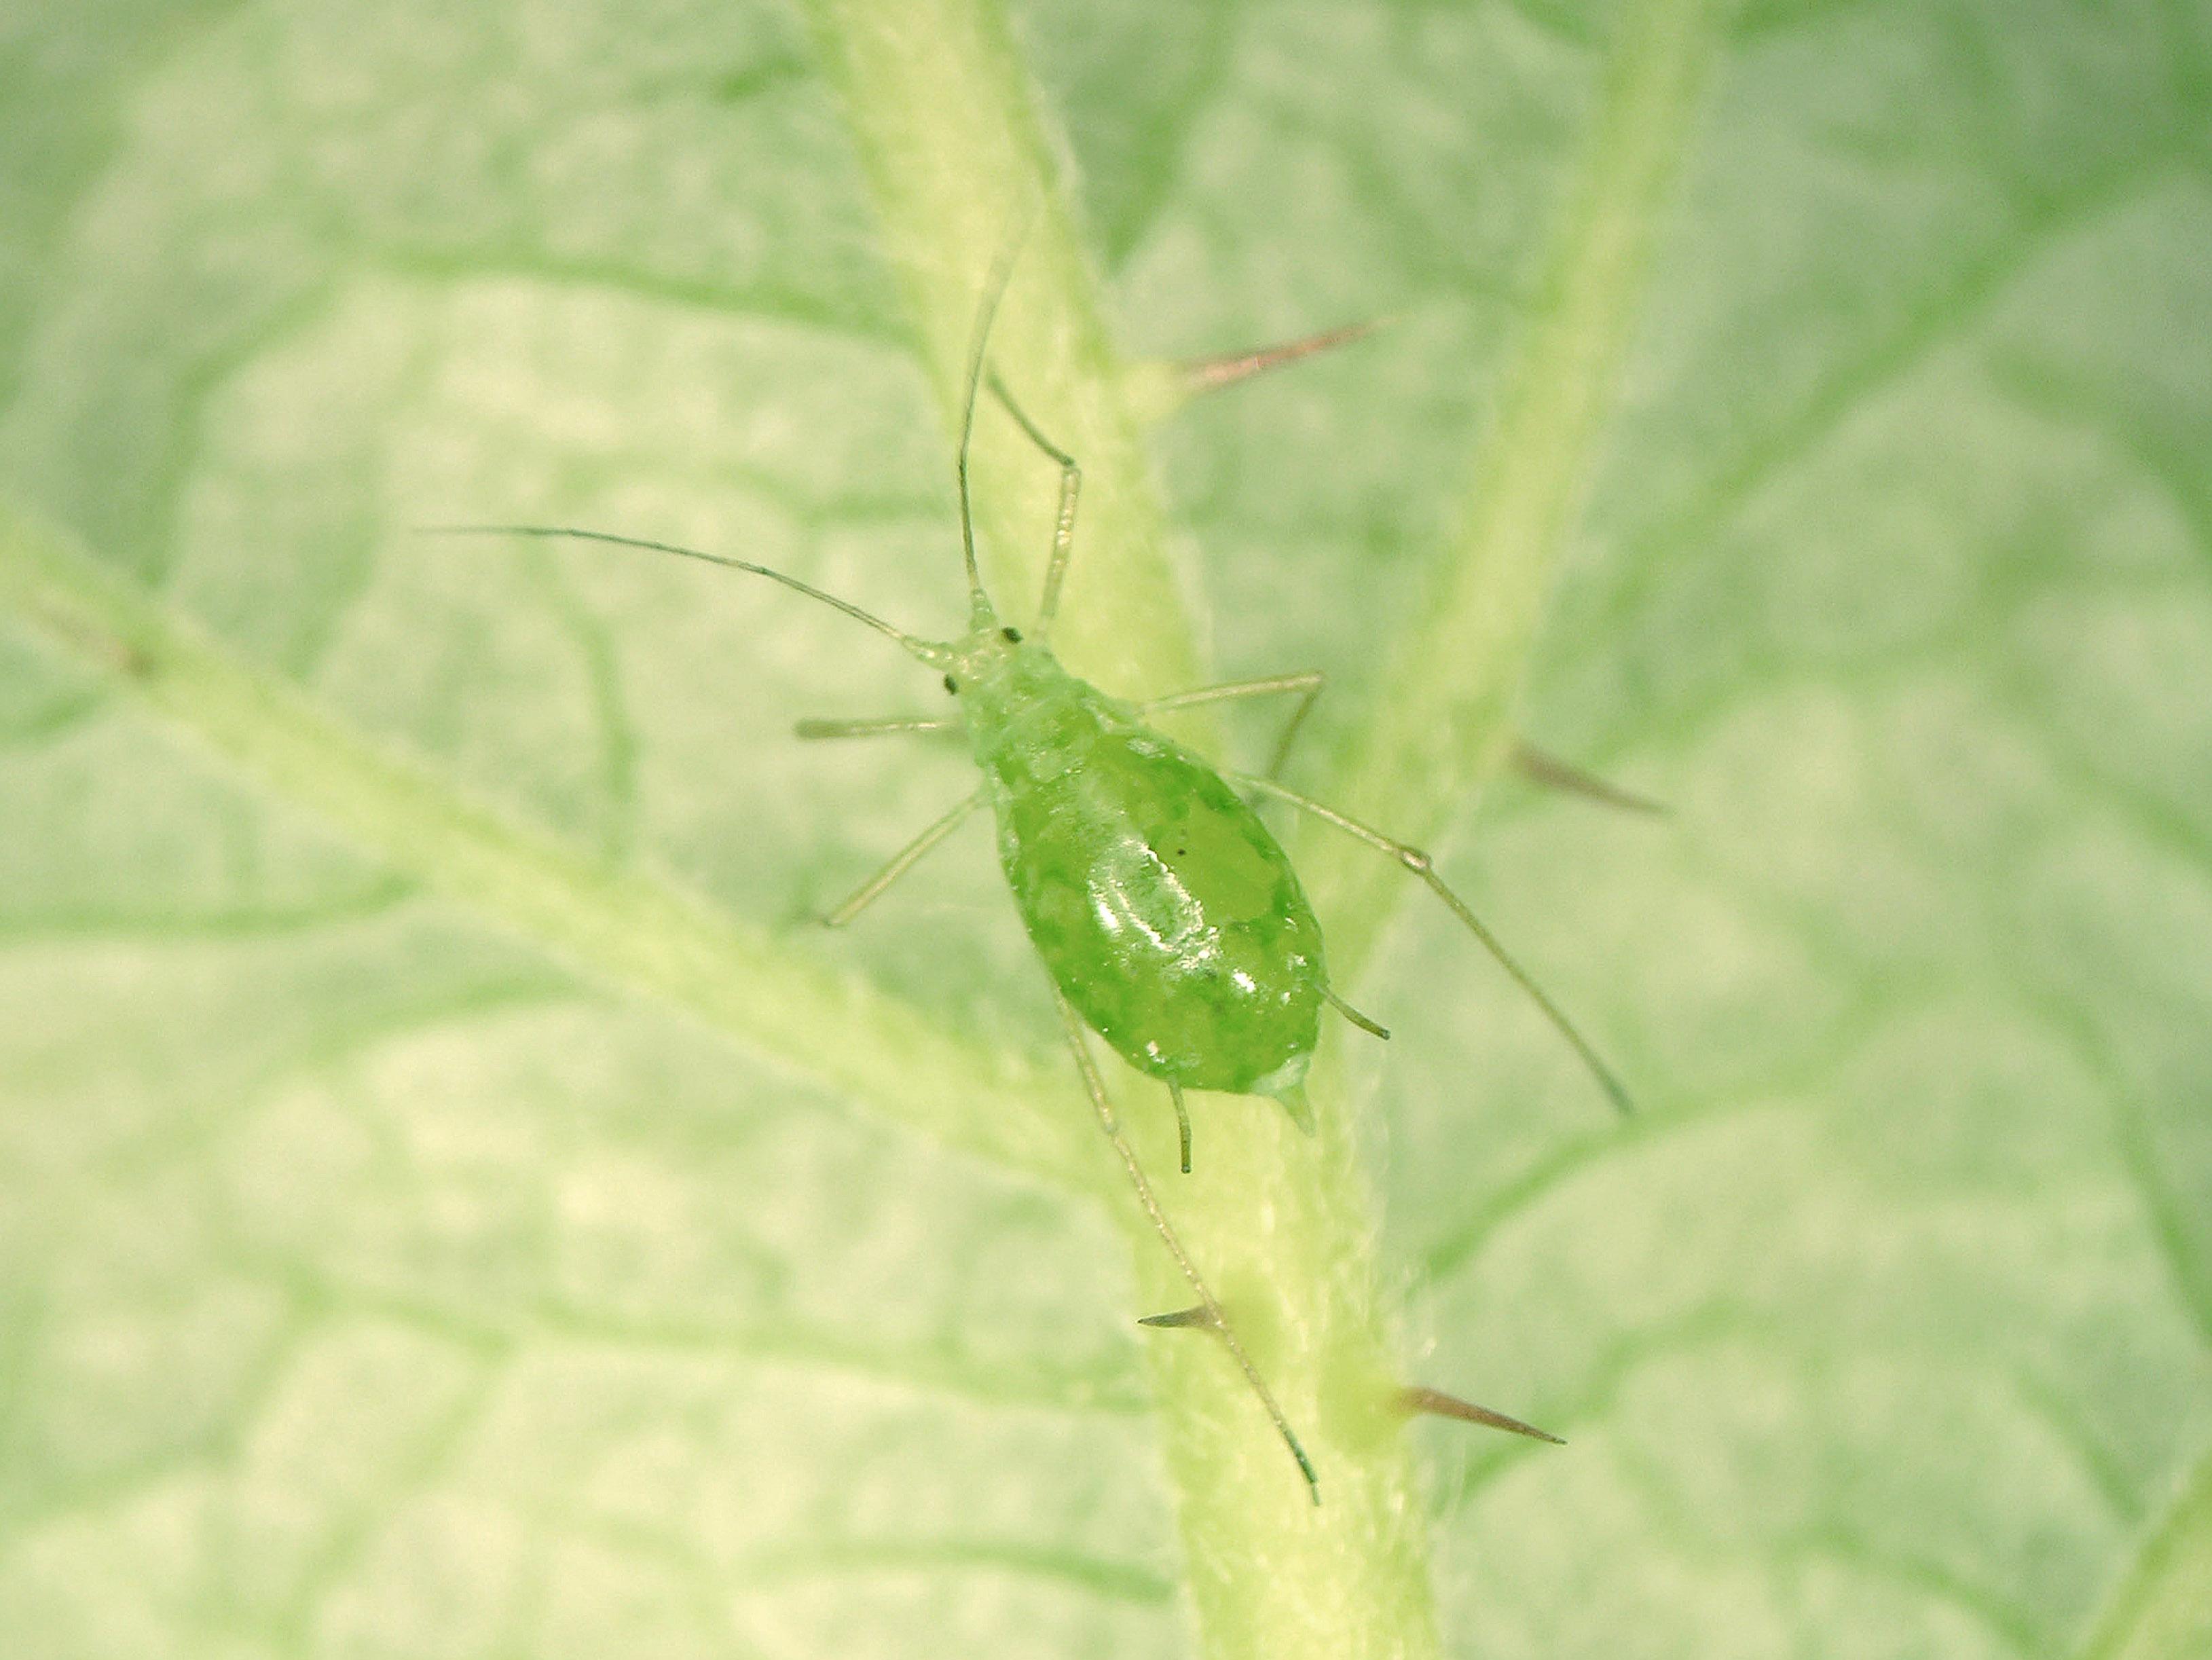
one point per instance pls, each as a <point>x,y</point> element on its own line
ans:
<point>1167,917</point>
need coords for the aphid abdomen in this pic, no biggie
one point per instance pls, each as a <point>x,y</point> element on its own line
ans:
<point>1162,908</point>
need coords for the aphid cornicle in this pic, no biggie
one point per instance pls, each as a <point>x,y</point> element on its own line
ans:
<point>1167,917</point>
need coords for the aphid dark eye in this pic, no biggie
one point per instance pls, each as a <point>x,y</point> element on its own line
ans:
<point>952,686</point>
<point>1014,635</point>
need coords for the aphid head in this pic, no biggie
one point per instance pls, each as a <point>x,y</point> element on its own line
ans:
<point>985,659</point>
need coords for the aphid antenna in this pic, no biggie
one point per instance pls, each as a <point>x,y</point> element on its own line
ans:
<point>927,650</point>
<point>994,290</point>
<point>1539,767</point>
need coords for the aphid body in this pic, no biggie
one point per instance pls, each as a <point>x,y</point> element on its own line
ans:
<point>1162,908</point>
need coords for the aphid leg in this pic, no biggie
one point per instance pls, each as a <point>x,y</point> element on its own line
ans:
<point>901,862</point>
<point>1095,1087</point>
<point>1550,771</point>
<point>1063,529</point>
<point>1354,1015</point>
<point>886,727</point>
<point>1415,1398</point>
<point>1310,682</point>
<point>1295,1102</point>
<point>1424,868</point>
<point>1295,725</point>
<point>1183,1122</point>
<point>1207,373</point>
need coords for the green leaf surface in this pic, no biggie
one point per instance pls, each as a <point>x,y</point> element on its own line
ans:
<point>452,1201</point>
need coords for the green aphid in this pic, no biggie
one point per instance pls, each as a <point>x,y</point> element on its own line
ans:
<point>1166,914</point>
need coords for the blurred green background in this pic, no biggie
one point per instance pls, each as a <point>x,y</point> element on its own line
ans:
<point>373,1285</point>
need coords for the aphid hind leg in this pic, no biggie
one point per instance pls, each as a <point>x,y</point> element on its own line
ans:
<point>1424,867</point>
<point>1311,681</point>
<point>1095,1086</point>
<point>902,861</point>
<point>884,726</point>
<point>1071,487</point>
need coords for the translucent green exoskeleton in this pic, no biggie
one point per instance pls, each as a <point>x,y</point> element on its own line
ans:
<point>1167,917</point>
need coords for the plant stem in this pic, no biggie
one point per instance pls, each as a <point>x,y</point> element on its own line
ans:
<point>950,138</point>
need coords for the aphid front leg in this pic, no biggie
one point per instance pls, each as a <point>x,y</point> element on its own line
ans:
<point>1095,1086</point>
<point>1312,682</point>
<point>1424,867</point>
<point>884,727</point>
<point>1183,1122</point>
<point>901,862</point>
<point>1071,486</point>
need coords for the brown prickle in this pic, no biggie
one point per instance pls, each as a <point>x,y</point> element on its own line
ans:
<point>1419,1398</point>
<point>1198,1315</point>
<point>1201,374</point>
<point>1550,771</point>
